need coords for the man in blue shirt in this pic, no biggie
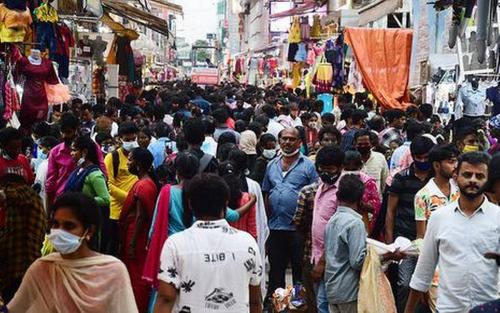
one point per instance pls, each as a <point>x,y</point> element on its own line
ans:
<point>285,176</point>
<point>200,102</point>
<point>163,146</point>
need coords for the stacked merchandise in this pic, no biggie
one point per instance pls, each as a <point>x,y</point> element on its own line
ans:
<point>121,53</point>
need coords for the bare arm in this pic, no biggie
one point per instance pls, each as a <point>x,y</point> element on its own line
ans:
<point>255,299</point>
<point>247,206</point>
<point>413,299</point>
<point>421,227</point>
<point>167,294</point>
<point>392,204</point>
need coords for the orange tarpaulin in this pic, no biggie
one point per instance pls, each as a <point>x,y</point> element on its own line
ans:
<point>383,58</point>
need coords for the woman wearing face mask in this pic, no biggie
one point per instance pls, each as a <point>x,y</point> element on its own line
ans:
<point>268,147</point>
<point>135,221</point>
<point>77,279</point>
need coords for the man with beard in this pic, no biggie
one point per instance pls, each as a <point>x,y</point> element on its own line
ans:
<point>458,236</point>
<point>285,176</point>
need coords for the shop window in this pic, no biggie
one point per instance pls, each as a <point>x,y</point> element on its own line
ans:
<point>398,20</point>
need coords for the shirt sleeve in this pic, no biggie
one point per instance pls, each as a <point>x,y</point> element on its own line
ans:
<point>232,215</point>
<point>50,183</point>
<point>313,174</point>
<point>428,259</point>
<point>396,186</point>
<point>384,174</point>
<point>301,204</point>
<point>169,264</point>
<point>114,190</point>
<point>420,206</point>
<point>356,240</point>
<point>257,270</point>
<point>98,183</point>
<point>266,182</point>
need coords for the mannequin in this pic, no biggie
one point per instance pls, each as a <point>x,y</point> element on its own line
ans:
<point>99,46</point>
<point>37,71</point>
<point>46,18</point>
<point>85,47</point>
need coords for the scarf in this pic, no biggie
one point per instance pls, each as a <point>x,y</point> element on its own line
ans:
<point>76,179</point>
<point>248,142</point>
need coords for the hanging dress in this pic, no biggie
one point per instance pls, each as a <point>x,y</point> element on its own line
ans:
<point>305,28</point>
<point>316,28</point>
<point>294,34</point>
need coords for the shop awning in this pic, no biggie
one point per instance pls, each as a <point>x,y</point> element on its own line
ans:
<point>377,10</point>
<point>139,16</point>
<point>302,9</point>
<point>175,8</point>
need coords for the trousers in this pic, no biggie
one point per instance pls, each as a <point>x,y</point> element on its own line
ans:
<point>351,307</point>
<point>284,247</point>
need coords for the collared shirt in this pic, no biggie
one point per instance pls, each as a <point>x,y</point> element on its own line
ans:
<point>211,264</point>
<point>376,167</point>
<point>458,243</point>
<point>60,167</point>
<point>209,146</point>
<point>473,101</point>
<point>430,197</point>
<point>397,155</point>
<point>274,128</point>
<point>203,104</point>
<point>284,190</point>
<point>159,149</point>
<point>304,215</point>
<point>345,251</point>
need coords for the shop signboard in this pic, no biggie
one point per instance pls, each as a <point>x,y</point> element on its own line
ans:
<point>205,76</point>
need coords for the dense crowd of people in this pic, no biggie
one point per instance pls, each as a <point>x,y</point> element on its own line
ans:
<point>189,199</point>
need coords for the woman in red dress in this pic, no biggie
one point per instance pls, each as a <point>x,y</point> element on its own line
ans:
<point>135,221</point>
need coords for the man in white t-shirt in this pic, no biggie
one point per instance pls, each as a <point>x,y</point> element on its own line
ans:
<point>211,266</point>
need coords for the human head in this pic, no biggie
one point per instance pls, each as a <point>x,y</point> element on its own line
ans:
<point>413,129</point>
<point>444,160</point>
<point>318,106</point>
<point>267,142</point>
<point>289,140</point>
<point>396,118</point>
<point>494,176</point>
<point>194,131</point>
<point>47,143</point>
<point>11,142</point>
<point>256,128</point>
<point>186,165</point>
<point>495,126</point>
<point>144,137</point>
<point>86,113</point>
<point>69,124</point>
<point>351,190</point>
<point>83,148</point>
<point>240,126</point>
<point>467,139</point>
<point>329,135</point>
<point>208,195</point>
<point>358,118</point>
<point>78,214</point>
<point>294,110</point>
<point>220,116</point>
<point>223,151</point>
<point>209,127</point>
<point>472,174</point>
<point>352,161</point>
<point>140,160</point>
<point>362,142</point>
<point>419,148</point>
<point>128,135</point>
<point>377,123</point>
<point>328,119</point>
<point>41,129</point>
<point>329,161</point>
<point>106,142</point>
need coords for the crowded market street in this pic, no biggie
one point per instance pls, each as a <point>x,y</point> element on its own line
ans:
<point>249,156</point>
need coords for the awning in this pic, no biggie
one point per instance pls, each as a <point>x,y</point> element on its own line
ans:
<point>118,28</point>
<point>175,8</point>
<point>377,10</point>
<point>302,9</point>
<point>139,16</point>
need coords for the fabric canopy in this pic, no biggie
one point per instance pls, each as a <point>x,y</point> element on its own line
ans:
<point>383,58</point>
<point>308,5</point>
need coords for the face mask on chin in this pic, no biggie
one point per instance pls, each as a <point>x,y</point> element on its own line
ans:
<point>285,154</point>
<point>470,148</point>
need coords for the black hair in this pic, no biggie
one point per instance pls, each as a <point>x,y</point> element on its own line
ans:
<point>194,131</point>
<point>318,106</point>
<point>285,110</point>
<point>49,142</point>
<point>226,137</point>
<point>223,151</point>
<point>269,110</point>
<point>413,129</point>
<point>145,130</point>
<point>377,123</point>
<point>220,115</point>
<point>83,207</point>
<point>463,132</point>
<point>163,130</point>
<point>392,115</point>
<point>353,156</point>
<point>421,145</point>
<point>98,109</point>
<point>209,126</point>
<point>84,142</point>
<point>143,158</point>
<point>181,143</point>
<point>228,171</point>
<point>186,165</point>
<point>256,128</point>
<point>86,106</point>
<point>265,138</point>
<point>362,133</point>
<point>239,159</point>
<point>208,195</point>
<point>69,121</point>
<point>426,110</point>
<point>474,158</point>
<point>240,126</point>
<point>9,134</point>
<point>330,130</point>
<point>443,152</point>
<point>328,117</point>
<point>493,171</point>
<point>41,129</point>
<point>262,119</point>
<point>351,189</point>
<point>127,128</point>
<point>329,155</point>
<point>358,116</point>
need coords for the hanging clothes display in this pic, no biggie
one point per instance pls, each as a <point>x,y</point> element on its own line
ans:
<point>125,58</point>
<point>323,76</point>
<point>98,83</point>
<point>11,98</point>
<point>64,40</point>
<point>34,104</point>
<point>293,48</point>
<point>99,47</point>
<point>355,79</point>
<point>85,49</point>
<point>296,74</point>
<point>253,64</point>
<point>294,35</point>
<point>57,94</point>
<point>305,28</point>
<point>316,28</point>
<point>301,54</point>
<point>46,18</point>
<point>338,62</point>
<point>15,21</point>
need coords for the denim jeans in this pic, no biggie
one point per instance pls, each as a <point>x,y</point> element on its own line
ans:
<point>322,300</point>
<point>46,37</point>
<point>405,271</point>
<point>483,19</point>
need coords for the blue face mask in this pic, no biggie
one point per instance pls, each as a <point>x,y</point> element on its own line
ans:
<point>423,166</point>
<point>41,155</point>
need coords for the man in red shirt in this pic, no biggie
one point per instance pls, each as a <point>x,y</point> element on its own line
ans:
<point>11,159</point>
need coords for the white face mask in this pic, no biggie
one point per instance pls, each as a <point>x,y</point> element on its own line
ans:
<point>269,153</point>
<point>351,172</point>
<point>130,145</point>
<point>65,242</point>
<point>80,162</point>
<point>283,153</point>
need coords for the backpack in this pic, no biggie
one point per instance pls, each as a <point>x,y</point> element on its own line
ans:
<point>204,161</point>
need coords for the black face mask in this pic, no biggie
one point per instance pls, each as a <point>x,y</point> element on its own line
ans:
<point>329,178</point>
<point>364,150</point>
